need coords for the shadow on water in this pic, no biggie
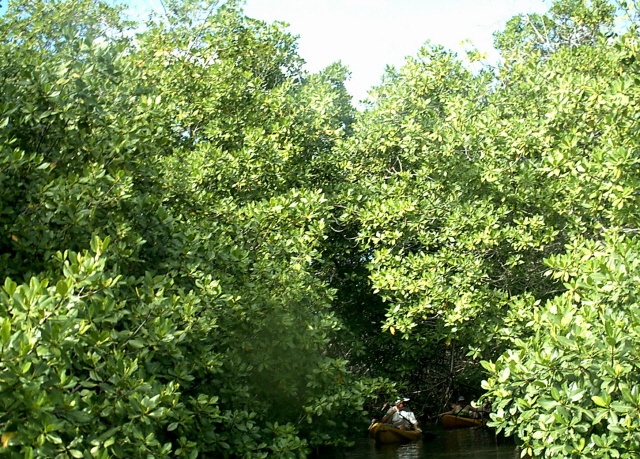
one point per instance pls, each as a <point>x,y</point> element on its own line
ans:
<point>450,444</point>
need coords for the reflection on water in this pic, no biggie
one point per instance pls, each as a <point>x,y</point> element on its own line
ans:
<point>468,443</point>
<point>458,443</point>
<point>409,451</point>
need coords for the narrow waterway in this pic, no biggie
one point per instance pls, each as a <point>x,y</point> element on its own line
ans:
<point>450,444</point>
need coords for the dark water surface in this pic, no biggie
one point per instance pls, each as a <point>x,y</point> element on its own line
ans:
<point>450,444</point>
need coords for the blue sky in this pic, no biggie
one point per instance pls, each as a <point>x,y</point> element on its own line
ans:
<point>367,35</point>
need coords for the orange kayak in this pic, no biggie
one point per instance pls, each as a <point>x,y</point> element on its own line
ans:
<point>385,433</point>
<point>451,421</point>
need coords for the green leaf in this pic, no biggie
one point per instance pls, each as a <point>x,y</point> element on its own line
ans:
<point>62,287</point>
<point>10,286</point>
<point>136,343</point>
<point>599,401</point>
<point>489,366</point>
<point>547,403</point>
<point>5,331</point>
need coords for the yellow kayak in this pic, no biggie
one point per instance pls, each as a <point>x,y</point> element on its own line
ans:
<point>385,433</point>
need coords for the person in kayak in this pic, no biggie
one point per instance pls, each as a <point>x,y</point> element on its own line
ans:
<point>400,416</point>
<point>461,408</point>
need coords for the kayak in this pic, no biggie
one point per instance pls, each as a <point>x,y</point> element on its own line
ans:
<point>385,433</point>
<point>451,421</point>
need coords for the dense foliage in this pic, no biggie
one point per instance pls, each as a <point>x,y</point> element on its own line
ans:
<point>161,215</point>
<point>498,213</point>
<point>204,250</point>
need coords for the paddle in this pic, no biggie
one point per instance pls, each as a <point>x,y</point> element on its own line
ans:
<point>411,424</point>
<point>384,411</point>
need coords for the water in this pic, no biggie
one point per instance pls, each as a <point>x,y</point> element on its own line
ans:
<point>450,444</point>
